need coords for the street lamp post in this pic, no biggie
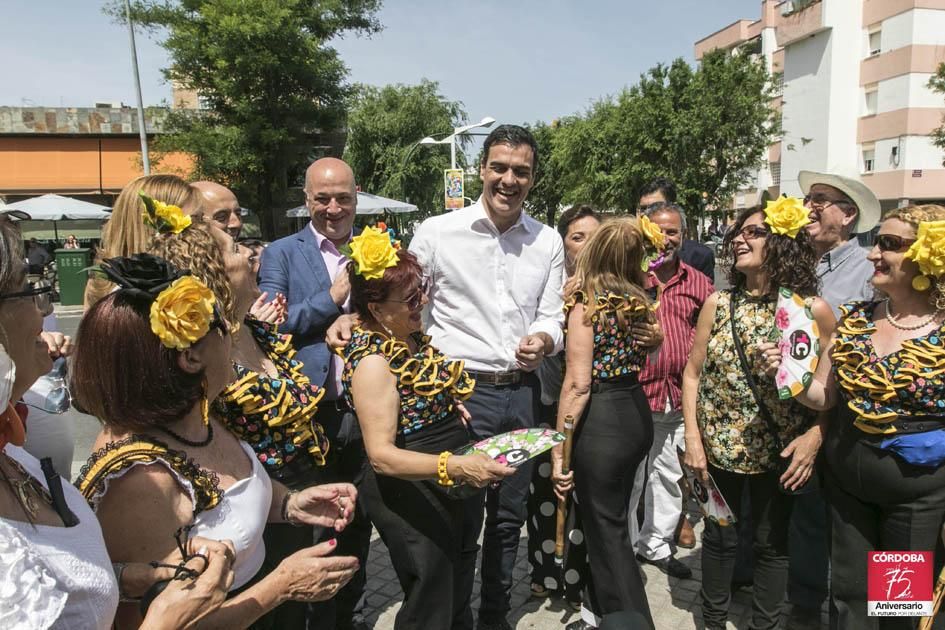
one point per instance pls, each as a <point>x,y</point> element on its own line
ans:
<point>142,123</point>
<point>458,131</point>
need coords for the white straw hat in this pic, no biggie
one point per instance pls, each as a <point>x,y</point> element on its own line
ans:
<point>868,208</point>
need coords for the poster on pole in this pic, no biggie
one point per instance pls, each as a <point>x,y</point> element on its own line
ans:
<point>453,182</point>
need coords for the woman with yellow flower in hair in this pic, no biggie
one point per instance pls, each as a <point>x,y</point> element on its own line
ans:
<point>737,429</point>
<point>885,449</point>
<point>149,358</point>
<point>270,404</point>
<point>407,397</point>
<point>601,392</point>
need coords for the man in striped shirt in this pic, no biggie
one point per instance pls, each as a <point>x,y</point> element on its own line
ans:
<point>683,290</point>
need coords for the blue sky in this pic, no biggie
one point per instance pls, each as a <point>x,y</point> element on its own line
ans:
<point>518,61</point>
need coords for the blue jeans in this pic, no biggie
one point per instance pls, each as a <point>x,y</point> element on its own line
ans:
<point>494,410</point>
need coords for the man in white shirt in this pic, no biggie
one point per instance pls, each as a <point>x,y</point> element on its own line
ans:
<point>495,302</point>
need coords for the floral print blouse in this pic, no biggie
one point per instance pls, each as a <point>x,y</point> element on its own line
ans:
<point>616,352</point>
<point>428,382</point>
<point>276,416</point>
<point>880,390</point>
<point>735,435</point>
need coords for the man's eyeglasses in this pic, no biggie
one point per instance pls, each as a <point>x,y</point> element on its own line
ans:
<point>819,202</point>
<point>415,299</point>
<point>42,296</point>
<point>751,232</point>
<point>892,243</point>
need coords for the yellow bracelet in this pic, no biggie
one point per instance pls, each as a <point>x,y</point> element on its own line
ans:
<point>443,477</point>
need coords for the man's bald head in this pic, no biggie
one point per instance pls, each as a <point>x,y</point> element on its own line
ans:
<point>331,198</point>
<point>220,207</point>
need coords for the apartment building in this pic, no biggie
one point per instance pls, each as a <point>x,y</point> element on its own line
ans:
<point>851,78</point>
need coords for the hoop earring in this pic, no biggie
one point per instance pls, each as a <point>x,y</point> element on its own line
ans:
<point>204,403</point>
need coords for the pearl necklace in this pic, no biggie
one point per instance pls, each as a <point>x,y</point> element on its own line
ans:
<point>895,324</point>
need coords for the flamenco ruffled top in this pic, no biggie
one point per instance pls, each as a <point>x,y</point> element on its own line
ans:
<point>276,415</point>
<point>616,352</point>
<point>428,382</point>
<point>117,458</point>
<point>904,385</point>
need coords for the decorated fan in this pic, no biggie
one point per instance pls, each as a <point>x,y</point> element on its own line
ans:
<point>713,505</point>
<point>515,447</point>
<point>798,339</point>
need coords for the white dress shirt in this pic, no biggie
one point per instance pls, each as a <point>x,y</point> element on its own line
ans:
<point>488,290</point>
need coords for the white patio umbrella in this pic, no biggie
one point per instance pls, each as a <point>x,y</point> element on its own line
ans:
<point>58,208</point>
<point>367,204</point>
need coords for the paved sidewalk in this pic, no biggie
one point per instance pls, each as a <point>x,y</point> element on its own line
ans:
<point>674,604</point>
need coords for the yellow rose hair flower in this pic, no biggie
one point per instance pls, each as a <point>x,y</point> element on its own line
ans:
<point>373,252</point>
<point>163,217</point>
<point>786,215</point>
<point>181,314</point>
<point>652,232</point>
<point>928,252</point>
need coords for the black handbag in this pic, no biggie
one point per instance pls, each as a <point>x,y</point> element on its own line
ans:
<point>782,464</point>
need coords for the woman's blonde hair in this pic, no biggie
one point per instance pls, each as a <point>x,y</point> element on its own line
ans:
<point>612,262</point>
<point>913,215</point>
<point>196,249</point>
<point>125,233</point>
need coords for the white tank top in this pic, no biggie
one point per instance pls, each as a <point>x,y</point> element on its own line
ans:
<point>241,517</point>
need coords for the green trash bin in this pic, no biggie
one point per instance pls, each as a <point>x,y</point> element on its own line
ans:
<point>70,268</point>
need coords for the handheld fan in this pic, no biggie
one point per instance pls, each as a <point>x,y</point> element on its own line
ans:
<point>799,343</point>
<point>515,447</point>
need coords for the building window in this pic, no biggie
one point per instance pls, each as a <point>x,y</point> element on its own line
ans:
<point>775,168</point>
<point>869,160</point>
<point>871,93</point>
<point>875,40</point>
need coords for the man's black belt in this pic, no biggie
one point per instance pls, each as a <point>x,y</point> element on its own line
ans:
<point>497,379</point>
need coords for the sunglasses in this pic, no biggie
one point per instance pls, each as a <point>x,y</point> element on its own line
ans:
<point>892,243</point>
<point>416,298</point>
<point>42,296</point>
<point>819,202</point>
<point>751,232</point>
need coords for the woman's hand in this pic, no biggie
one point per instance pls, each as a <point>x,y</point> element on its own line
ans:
<point>647,334</point>
<point>563,483</point>
<point>768,355</point>
<point>464,414</point>
<point>803,452</point>
<point>310,575</point>
<point>326,505</point>
<point>59,345</point>
<point>477,470</point>
<point>270,312</point>
<point>183,603</point>
<point>694,458</point>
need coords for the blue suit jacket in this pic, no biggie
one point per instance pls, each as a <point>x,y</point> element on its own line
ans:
<point>294,267</point>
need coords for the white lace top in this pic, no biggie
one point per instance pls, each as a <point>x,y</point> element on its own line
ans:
<point>55,577</point>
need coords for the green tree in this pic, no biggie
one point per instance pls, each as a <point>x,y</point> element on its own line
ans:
<point>384,127</point>
<point>705,128</point>
<point>270,84</point>
<point>937,84</point>
<point>546,194</point>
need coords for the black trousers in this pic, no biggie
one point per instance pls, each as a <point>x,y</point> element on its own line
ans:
<point>770,518</point>
<point>612,439</point>
<point>495,410</point>
<point>422,530</point>
<point>345,463</point>
<point>877,502</point>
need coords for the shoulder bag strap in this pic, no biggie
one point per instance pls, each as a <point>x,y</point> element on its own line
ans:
<point>749,378</point>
